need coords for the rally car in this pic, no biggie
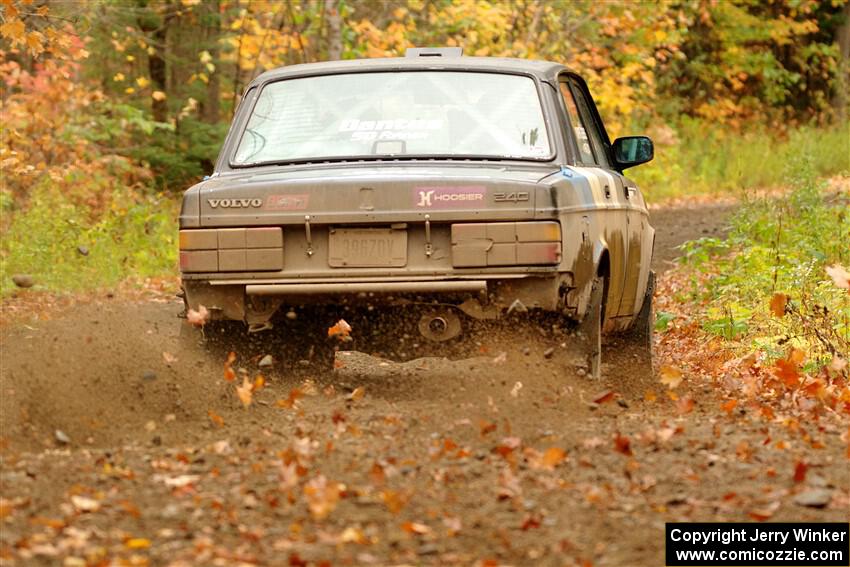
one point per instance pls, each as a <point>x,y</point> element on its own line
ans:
<point>469,186</point>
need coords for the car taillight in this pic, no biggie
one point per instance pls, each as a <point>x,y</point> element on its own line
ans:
<point>231,249</point>
<point>506,244</point>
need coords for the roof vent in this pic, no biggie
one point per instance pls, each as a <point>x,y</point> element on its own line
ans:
<point>434,52</point>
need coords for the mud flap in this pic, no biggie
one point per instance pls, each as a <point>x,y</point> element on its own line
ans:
<point>640,335</point>
<point>590,329</point>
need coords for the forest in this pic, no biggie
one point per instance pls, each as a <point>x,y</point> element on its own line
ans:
<point>110,109</point>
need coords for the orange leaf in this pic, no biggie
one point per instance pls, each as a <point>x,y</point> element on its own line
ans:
<point>215,418</point>
<point>622,444</point>
<point>553,457</point>
<point>800,470</point>
<point>357,394</point>
<point>259,382</point>
<point>341,330</point>
<point>415,528</point>
<point>729,406</point>
<point>778,303</point>
<point>393,501</point>
<point>787,371</point>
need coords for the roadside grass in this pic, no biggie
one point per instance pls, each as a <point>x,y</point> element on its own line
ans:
<point>706,160</point>
<point>65,246</point>
<point>766,312</point>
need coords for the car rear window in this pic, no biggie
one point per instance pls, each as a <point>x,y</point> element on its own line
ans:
<point>427,113</point>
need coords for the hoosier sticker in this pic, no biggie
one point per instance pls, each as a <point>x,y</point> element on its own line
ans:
<point>448,197</point>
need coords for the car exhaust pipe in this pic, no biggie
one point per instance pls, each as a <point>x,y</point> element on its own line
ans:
<point>439,326</point>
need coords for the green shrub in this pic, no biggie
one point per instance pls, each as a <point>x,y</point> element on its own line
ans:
<point>711,160</point>
<point>780,246</point>
<point>63,248</point>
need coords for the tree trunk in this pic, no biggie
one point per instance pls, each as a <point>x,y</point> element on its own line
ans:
<point>842,79</point>
<point>153,23</point>
<point>334,30</point>
<point>211,106</point>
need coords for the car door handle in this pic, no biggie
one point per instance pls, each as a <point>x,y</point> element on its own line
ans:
<point>630,192</point>
<point>607,192</point>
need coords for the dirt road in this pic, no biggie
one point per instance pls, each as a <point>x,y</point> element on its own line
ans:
<point>121,443</point>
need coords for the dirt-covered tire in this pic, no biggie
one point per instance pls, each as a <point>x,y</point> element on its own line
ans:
<point>590,329</point>
<point>639,337</point>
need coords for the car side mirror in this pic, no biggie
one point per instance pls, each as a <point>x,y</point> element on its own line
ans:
<point>630,151</point>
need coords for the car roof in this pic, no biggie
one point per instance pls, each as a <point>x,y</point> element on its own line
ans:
<point>545,70</point>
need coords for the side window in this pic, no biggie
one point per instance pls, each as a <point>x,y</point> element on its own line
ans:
<point>590,125</point>
<point>580,132</point>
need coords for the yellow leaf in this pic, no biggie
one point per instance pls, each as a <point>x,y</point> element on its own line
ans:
<point>118,77</point>
<point>138,543</point>
<point>13,29</point>
<point>129,90</point>
<point>245,392</point>
<point>158,95</point>
<point>358,394</point>
<point>142,82</point>
<point>670,376</point>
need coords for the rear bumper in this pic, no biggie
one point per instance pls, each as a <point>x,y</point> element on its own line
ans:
<point>253,300</point>
<point>429,287</point>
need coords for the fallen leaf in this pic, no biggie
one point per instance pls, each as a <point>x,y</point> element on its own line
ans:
<point>169,358</point>
<point>245,391</point>
<point>342,330</point>
<point>486,427</point>
<point>622,444</point>
<point>215,418</point>
<point>322,496</point>
<point>670,376</point>
<point>778,303</point>
<point>393,500</point>
<point>729,406</point>
<point>685,405</point>
<point>357,394</point>
<point>229,373</point>
<point>800,470</point>
<point>764,513</point>
<point>839,275</point>
<point>553,456</point>
<point>353,535</point>
<point>515,390</point>
<point>85,504</point>
<point>290,401</point>
<point>137,543</point>
<point>415,528</point>
<point>198,318</point>
<point>605,396</point>
<point>259,382</point>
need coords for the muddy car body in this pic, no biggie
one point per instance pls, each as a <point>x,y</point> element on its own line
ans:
<point>481,185</point>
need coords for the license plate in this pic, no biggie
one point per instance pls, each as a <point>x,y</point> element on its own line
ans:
<point>367,248</point>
